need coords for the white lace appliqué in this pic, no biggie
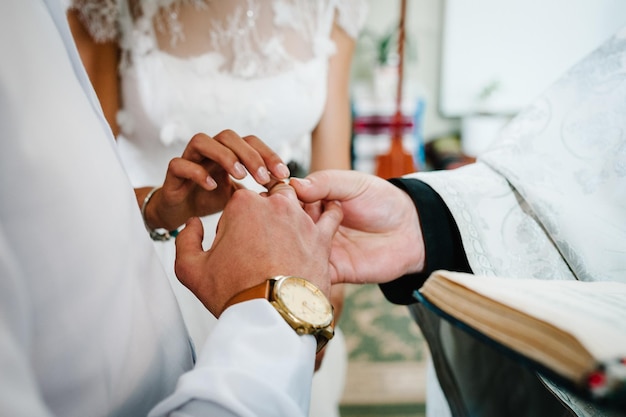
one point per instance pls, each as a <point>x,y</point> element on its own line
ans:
<point>252,38</point>
<point>255,38</point>
<point>99,17</point>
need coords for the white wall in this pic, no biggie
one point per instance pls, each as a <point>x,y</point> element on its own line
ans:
<point>424,24</point>
<point>515,49</point>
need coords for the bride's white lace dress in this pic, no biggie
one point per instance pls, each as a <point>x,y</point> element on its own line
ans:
<point>189,66</point>
<point>257,67</point>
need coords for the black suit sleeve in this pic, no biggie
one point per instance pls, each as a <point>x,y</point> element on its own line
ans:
<point>442,241</point>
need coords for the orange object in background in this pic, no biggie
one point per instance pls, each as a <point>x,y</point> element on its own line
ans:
<point>397,161</point>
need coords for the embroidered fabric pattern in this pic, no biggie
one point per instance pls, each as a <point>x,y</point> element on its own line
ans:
<point>252,38</point>
<point>255,66</point>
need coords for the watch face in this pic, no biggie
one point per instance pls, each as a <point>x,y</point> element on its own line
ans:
<point>304,301</point>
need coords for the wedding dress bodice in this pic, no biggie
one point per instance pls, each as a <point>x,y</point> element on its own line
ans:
<point>189,66</point>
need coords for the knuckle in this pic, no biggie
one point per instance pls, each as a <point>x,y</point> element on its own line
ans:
<point>173,162</point>
<point>199,137</point>
<point>226,134</point>
<point>241,195</point>
<point>250,138</point>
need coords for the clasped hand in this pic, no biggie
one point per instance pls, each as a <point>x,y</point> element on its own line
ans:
<point>258,237</point>
<point>354,228</point>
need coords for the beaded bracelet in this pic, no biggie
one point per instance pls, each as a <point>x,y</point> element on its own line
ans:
<point>155,234</point>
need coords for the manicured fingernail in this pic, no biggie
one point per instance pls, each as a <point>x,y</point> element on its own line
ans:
<point>263,175</point>
<point>211,182</point>
<point>240,170</point>
<point>282,171</point>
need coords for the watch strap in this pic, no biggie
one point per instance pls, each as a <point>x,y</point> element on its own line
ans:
<point>262,290</point>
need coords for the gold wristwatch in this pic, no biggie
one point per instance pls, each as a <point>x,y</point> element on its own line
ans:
<point>299,302</point>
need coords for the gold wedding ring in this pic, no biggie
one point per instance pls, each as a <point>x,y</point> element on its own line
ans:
<point>284,181</point>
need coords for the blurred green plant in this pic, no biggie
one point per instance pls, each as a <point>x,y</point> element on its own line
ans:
<point>381,49</point>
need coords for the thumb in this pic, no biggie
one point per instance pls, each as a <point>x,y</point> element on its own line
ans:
<point>189,240</point>
<point>340,185</point>
<point>330,220</point>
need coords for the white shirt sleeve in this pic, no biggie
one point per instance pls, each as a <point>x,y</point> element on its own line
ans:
<point>252,364</point>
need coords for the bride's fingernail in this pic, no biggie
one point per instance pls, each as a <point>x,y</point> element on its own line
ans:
<point>282,171</point>
<point>240,170</point>
<point>263,175</point>
<point>211,182</point>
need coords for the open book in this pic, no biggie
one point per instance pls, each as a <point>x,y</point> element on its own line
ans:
<point>572,332</point>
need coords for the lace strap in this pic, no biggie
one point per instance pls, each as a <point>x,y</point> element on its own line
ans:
<point>351,16</point>
<point>100,17</point>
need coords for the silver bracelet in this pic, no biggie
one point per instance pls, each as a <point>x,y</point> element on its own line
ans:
<point>155,234</point>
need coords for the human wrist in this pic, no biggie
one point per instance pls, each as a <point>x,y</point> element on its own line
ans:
<point>442,244</point>
<point>151,219</point>
<point>414,257</point>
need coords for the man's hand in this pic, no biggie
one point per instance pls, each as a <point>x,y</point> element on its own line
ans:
<point>380,237</point>
<point>199,182</point>
<point>258,237</point>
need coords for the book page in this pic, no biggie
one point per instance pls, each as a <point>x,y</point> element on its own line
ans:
<point>594,312</point>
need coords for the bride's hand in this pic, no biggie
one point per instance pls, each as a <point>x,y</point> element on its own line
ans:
<point>199,183</point>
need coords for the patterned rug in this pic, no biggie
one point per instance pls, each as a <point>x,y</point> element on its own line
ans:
<point>386,354</point>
